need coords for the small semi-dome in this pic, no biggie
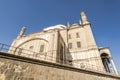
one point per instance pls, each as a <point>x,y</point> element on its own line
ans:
<point>59,26</point>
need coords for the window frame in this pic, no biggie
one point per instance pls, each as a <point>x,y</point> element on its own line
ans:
<point>70,45</point>
<point>69,36</point>
<point>42,47</point>
<point>78,44</point>
<point>77,35</point>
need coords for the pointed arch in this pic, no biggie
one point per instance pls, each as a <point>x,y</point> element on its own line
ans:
<point>106,62</point>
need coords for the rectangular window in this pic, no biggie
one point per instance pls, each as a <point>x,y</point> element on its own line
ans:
<point>70,45</point>
<point>41,48</point>
<point>20,51</point>
<point>78,45</point>
<point>77,35</point>
<point>69,36</point>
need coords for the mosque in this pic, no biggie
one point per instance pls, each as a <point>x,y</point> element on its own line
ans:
<point>72,45</point>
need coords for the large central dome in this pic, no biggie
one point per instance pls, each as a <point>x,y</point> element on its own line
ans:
<point>59,26</point>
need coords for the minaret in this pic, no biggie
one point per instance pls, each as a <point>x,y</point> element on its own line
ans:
<point>84,18</point>
<point>88,32</point>
<point>22,32</point>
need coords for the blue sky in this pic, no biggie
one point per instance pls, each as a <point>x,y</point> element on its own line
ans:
<point>104,16</point>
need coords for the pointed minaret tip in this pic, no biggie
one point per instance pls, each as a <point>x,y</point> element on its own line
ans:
<point>22,32</point>
<point>84,17</point>
<point>23,27</point>
<point>83,13</point>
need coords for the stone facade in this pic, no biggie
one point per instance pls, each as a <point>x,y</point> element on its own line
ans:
<point>71,44</point>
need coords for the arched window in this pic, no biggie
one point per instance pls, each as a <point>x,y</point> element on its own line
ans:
<point>106,62</point>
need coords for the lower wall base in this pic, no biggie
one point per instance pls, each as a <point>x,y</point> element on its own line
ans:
<point>20,68</point>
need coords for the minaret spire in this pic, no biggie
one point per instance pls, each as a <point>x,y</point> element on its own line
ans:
<point>84,18</point>
<point>68,24</point>
<point>22,32</point>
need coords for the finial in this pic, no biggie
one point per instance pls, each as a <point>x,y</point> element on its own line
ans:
<point>68,24</point>
<point>79,21</point>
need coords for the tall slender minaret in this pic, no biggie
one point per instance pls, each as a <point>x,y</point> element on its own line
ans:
<point>88,32</point>
<point>84,18</point>
<point>22,32</point>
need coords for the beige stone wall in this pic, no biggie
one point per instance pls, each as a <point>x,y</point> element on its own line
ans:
<point>48,39</point>
<point>19,68</point>
<point>74,39</point>
<point>91,59</point>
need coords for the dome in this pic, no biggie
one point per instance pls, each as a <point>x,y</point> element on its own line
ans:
<point>59,26</point>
